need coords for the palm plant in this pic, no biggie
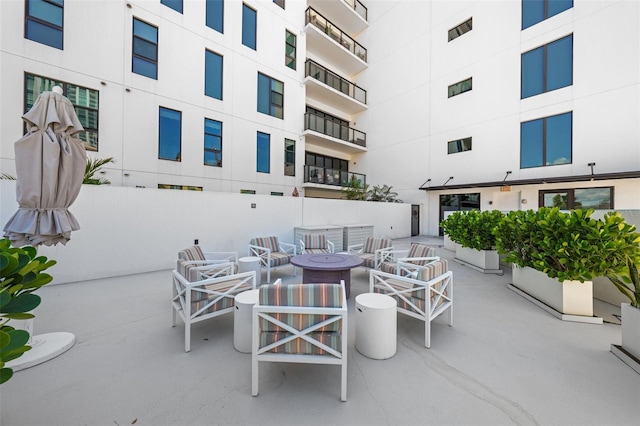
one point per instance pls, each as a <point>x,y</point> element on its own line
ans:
<point>628,283</point>
<point>94,165</point>
<point>383,193</point>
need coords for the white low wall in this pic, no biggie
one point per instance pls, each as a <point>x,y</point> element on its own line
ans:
<point>134,230</point>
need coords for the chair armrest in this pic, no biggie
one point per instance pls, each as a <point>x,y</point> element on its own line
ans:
<point>222,256</point>
<point>391,255</point>
<point>302,246</point>
<point>355,248</point>
<point>382,254</point>
<point>262,252</point>
<point>332,247</point>
<point>405,264</point>
<point>288,248</point>
<point>217,269</point>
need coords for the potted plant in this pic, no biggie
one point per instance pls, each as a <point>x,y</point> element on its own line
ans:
<point>472,230</point>
<point>570,248</point>
<point>20,276</point>
<point>628,283</point>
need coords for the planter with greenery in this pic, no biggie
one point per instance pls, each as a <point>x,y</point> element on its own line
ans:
<point>472,230</point>
<point>21,274</point>
<point>628,283</point>
<point>569,247</point>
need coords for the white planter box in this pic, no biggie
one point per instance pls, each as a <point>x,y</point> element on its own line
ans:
<point>631,330</point>
<point>483,259</point>
<point>449,244</point>
<point>568,297</point>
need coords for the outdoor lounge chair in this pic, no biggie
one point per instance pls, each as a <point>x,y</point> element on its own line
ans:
<point>425,297</point>
<point>198,297</point>
<point>418,254</point>
<point>371,251</point>
<point>272,253</point>
<point>312,244</point>
<point>208,263</point>
<point>300,323</point>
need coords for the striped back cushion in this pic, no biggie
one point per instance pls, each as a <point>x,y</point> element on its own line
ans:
<point>191,253</point>
<point>420,250</point>
<point>314,241</point>
<point>187,270</point>
<point>314,295</point>
<point>372,244</point>
<point>267,242</point>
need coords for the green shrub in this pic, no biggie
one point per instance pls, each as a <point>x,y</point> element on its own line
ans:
<point>20,275</point>
<point>473,228</point>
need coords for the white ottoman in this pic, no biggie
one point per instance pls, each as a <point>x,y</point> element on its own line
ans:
<point>242,320</point>
<point>251,263</point>
<point>376,325</point>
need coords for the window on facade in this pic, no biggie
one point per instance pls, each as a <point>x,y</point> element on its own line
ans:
<point>173,4</point>
<point>279,3</point>
<point>212,143</point>
<point>247,191</point>
<point>456,202</point>
<point>85,101</point>
<point>546,141</point>
<point>169,134</point>
<point>44,22</point>
<point>270,96</point>
<point>263,156</point>
<point>213,75</point>
<point>181,187</point>
<point>277,194</point>
<point>461,87</point>
<point>458,30</point>
<point>547,68</point>
<point>289,157</point>
<point>290,50</point>
<point>534,11</point>
<point>459,145</point>
<point>214,15</point>
<point>330,125</point>
<point>145,49</point>
<point>249,26</point>
<point>578,198</point>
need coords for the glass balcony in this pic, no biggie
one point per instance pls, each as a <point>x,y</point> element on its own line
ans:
<point>329,127</point>
<point>331,79</point>
<point>335,33</point>
<point>321,175</point>
<point>358,7</point>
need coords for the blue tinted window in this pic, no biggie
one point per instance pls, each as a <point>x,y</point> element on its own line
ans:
<point>169,134</point>
<point>249,18</point>
<point>547,68</point>
<point>213,75</point>
<point>264,84</point>
<point>263,152</point>
<point>546,141</point>
<point>173,4</point>
<point>534,11</point>
<point>44,22</point>
<point>215,15</point>
<point>212,143</point>
<point>145,49</point>
<point>270,96</point>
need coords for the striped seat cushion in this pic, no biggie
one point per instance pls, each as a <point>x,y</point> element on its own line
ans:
<point>316,251</point>
<point>188,270</point>
<point>389,267</point>
<point>372,244</point>
<point>299,346</point>
<point>368,260</point>
<point>191,253</point>
<point>279,259</point>
<point>314,241</point>
<point>200,299</point>
<point>270,243</point>
<point>314,295</point>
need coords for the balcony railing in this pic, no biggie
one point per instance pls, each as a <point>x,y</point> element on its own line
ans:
<point>331,79</point>
<point>358,7</point>
<point>326,26</point>
<point>315,174</point>
<point>328,127</point>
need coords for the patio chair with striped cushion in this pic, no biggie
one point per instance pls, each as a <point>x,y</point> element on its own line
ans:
<point>207,264</point>
<point>300,323</point>
<point>272,253</point>
<point>418,254</point>
<point>318,243</point>
<point>425,297</point>
<point>372,251</point>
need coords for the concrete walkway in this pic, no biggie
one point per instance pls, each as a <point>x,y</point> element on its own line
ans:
<point>505,361</point>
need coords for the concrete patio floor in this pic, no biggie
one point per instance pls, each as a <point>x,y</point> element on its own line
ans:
<point>505,361</point>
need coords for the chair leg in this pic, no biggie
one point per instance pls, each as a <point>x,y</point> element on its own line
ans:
<point>269,275</point>
<point>450,315</point>
<point>427,333</point>
<point>187,337</point>
<point>254,377</point>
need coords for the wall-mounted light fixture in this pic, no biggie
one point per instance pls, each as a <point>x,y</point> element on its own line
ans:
<point>507,175</point>
<point>451,177</point>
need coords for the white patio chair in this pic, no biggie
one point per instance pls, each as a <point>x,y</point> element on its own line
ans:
<point>272,253</point>
<point>417,254</point>
<point>217,260</point>
<point>425,297</point>
<point>372,251</point>
<point>316,244</point>
<point>300,323</point>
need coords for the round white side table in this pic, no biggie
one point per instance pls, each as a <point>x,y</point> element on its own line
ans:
<point>376,325</point>
<point>243,321</point>
<point>251,263</point>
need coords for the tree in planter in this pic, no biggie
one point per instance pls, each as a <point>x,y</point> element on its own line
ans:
<point>355,190</point>
<point>567,246</point>
<point>473,228</point>
<point>20,276</point>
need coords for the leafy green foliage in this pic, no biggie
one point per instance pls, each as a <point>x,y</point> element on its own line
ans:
<point>473,228</point>
<point>383,193</point>
<point>20,276</point>
<point>568,246</point>
<point>94,165</point>
<point>628,282</point>
<point>356,190</point>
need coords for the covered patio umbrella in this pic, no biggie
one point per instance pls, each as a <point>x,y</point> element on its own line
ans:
<point>50,165</point>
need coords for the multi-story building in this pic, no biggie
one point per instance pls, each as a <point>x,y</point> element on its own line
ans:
<point>455,104</point>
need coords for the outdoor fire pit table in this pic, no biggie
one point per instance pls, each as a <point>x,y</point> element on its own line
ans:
<point>327,268</point>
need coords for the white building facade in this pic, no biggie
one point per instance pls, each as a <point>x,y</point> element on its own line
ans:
<point>455,104</point>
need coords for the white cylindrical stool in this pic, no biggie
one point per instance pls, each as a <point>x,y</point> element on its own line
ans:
<point>251,263</point>
<point>376,325</point>
<point>242,320</point>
